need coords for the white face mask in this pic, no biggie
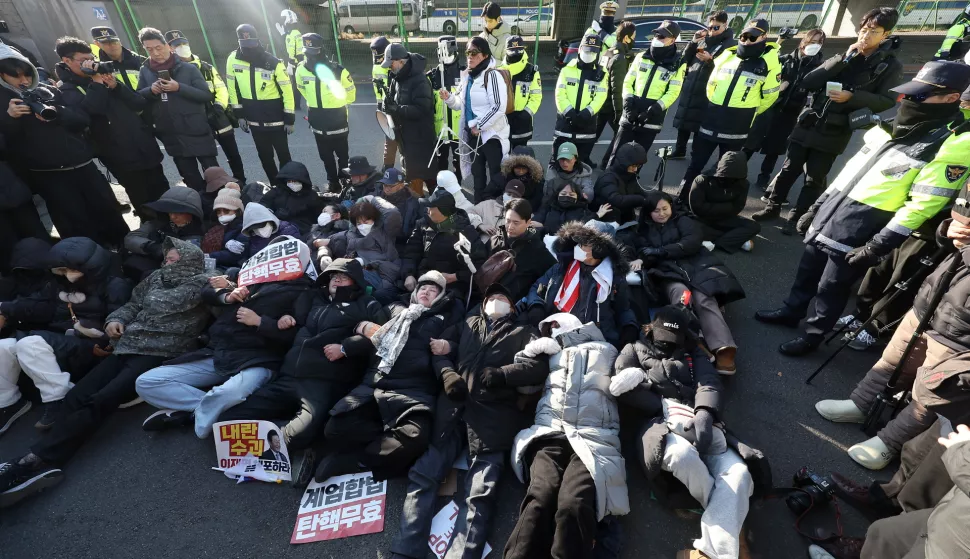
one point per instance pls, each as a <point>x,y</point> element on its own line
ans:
<point>295,186</point>
<point>587,56</point>
<point>579,254</point>
<point>225,219</point>
<point>324,219</point>
<point>183,51</point>
<point>265,231</point>
<point>812,49</point>
<point>657,43</point>
<point>505,198</point>
<point>497,308</point>
<point>364,228</point>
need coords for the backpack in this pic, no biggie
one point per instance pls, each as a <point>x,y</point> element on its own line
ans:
<point>509,92</point>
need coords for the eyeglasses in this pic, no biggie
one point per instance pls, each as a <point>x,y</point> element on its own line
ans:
<point>871,31</point>
<point>472,52</point>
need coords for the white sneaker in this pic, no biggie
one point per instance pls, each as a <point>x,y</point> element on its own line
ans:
<point>872,454</point>
<point>748,246</point>
<point>816,552</point>
<point>840,411</point>
<point>847,319</point>
<point>863,341</point>
<point>708,245</point>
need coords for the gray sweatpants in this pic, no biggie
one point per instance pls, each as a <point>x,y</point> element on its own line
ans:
<point>716,332</point>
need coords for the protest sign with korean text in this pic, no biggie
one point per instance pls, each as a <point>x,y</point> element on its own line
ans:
<point>443,528</point>
<point>284,259</point>
<point>341,507</point>
<point>235,440</point>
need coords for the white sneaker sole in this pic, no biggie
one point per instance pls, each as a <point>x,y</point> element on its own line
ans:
<point>16,416</point>
<point>726,372</point>
<point>33,485</point>
<point>840,418</point>
<point>147,426</point>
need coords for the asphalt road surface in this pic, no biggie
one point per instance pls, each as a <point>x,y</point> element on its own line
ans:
<point>132,494</point>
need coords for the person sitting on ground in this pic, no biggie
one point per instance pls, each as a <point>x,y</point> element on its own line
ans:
<point>619,186</point>
<point>332,220</point>
<point>163,319</point>
<point>216,179</point>
<point>571,457</point>
<point>667,380</point>
<point>532,258</point>
<point>394,190</point>
<point>449,181</point>
<point>670,250</point>
<point>568,169</point>
<point>375,223</point>
<point>475,356</point>
<point>224,241</point>
<point>59,333</point>
<point>521,165</point>
<point>568,205</point>
<point>260,225</point>
<point>315,373</point>
<point>432,246</point>
<point>179,215</point>
<point>361,181</point>
<point>384,424</point>
<point>588,281</point>
<point>492,211</point>
<point>716,199</point>
<point>254,330</point>
<point>293,198</point>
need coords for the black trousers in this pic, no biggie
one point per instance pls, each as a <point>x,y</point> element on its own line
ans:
<point>558,515</point>
<point>486,164</point>
<point>450,151</point>
<point>767,162</point>
<point>81,203</point>
<point>683,136</point>
<point>700,154</point>
<point>816,166</point>
<point>584,148</point>
<point>189,169</point>
<point>270,145</point>
<point>143,186</point>
<point>828,279</point>
<point>303,404</point>
<point>730,233</point>
<point>603,119</point>
<point>231,150</point>
<point>638,134</point>
<point>19,223</point>
<point>334,151</point>
<point>388,452</point>
<point>92,400</point>
<point>880,281</point>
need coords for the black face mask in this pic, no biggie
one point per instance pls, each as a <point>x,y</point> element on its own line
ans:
<point>662,53</point>
<point>567,202</point>
<point>607,23</point>
<point>665,348</point>
<point>344,294</point>
<point>911,113</point>
<point>513,58</point>
<point>746,52</point>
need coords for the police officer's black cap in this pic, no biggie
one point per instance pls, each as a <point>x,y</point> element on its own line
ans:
<point>492,10</point>
<point>668,29</point>
<point>104,34</point>
<point>937,76</point>
<point>592,40</point>
<point>756,27</point>
<point>379,44</point>
<point>175,38</point>
<point>312,43</point>
<point>514,42</point>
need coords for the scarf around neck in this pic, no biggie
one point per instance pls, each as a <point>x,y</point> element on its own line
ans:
<point>393,335</point>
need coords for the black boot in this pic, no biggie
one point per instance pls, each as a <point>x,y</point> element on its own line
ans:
<point>336,464</point>
<point>771,211</point>
<point>762,183</point>
<point>790,227</point>
<point>802,345</point>
<point>777,316</point>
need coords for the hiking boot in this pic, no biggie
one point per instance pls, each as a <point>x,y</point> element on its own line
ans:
<point>840,411</point>
<point>51,411</point>
<point>164,419</point>
<point>777,316</point>
<point>862,498</point>
<point>12,412</point>
<point>770,211</point>
<point>850,319</point>
<point>724,361</point>
<point>307,467</point>
<point>863,341</point>
<point>802,345</point>
<point>872,454</point>
<point>18,481</point>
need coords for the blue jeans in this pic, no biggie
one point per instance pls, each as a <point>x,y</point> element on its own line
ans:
<point>481,482</point>
<point>184,387</point>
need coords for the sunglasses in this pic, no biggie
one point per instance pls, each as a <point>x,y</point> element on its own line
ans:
<point>748,38</point>
<point>473,52</point>
<point>920,97</point>
<point>714,27</point>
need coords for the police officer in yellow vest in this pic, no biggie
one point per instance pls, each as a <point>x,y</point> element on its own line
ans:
<point>127,63</point>
<point>381,85</point>
<point>527,88</point>
<point>957,41</point>
<point>745,82</point>
<point>651,86</point>
<point>220,116</point>
<point>901,178</point>
<point>293,41</point>
<point>581,91</point>
<point>329,92</point>
<point>447,75</point>
<point>261,96</point>
<point>605,27</point>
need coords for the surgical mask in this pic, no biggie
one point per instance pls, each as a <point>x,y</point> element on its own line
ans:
<point>587,56</point>
<point>657,43</point>
<point>226,219</point>
<point>812,49</point>
<point>265,231</point>
<point>579,254</point>
<point>506,198</point>
<point>497,308</point>
<point>183,51</point>
<point>73,276</point>
<point>364,228</point>
<point>295,186</point>
<point>324,219</point>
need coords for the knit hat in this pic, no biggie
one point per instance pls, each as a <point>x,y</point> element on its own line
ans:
<point>443,201</point>
<point>216,178</point>
<point>433,277</point>
<point>228,198</point>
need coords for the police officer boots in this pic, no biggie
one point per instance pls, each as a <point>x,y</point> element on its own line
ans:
<point>770,211</point>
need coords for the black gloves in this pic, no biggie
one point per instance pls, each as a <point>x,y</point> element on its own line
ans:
<point>390,107</point>
<point>628,335</point>
<point>703,425</point>
<point>863,257</point>
<point>455,387</point>
<point>493,377</point>
<point>536,314</point>
<point>570,117</point>
<point>652,252</point>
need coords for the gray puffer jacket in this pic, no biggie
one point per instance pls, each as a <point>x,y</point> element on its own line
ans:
<point>576,402</point>
<point>377,249</point>
<point>581,177</point>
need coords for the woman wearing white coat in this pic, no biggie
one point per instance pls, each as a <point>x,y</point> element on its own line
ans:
<point>481,99</point>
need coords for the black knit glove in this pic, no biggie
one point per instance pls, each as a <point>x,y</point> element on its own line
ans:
<point>703,425</point>
<point>493,377</point>
<point>455,387</point>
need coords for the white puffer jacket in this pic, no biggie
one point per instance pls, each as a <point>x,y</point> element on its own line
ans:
<point>488,104</point>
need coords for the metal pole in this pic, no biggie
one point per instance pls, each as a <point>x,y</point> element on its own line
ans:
<point>825,14</point>
<point>124,22</point>
<point>469,18</point>
<point>134,18</point>
<point>336,38</point>
<point>205,36</point>
<point>535,52</point>
<point>798,18</point>
<point>269,30</point>
<point>400,24</point>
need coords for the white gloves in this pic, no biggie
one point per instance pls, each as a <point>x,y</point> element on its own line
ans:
<point>289,129</point>
<point>235,246</point>
<point>290,68</point>
<point>541,346</point>
<point>626,380</point>
<point>243,125</point>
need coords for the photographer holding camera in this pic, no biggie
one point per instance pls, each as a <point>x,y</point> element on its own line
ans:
<point>858,79</point>
<point>122,140</point>
<point>45,143</point>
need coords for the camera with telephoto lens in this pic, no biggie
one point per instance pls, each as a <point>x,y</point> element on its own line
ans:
<point>814,490</point>
<point>36,104</point>
<point>787,32</point>
<point>108,67</point>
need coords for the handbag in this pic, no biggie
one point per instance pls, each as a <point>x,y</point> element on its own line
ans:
<point>497,265</point>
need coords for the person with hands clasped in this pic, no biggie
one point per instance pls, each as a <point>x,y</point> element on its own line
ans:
<point>581,91</point>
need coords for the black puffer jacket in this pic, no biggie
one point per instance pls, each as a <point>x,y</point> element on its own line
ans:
<point>553,214</point>
<point>411,92</point>
<point>619,187</point>
<point>180,119</point>
<point>721,192</point>
<point>771,129</point>
<point>492,415</point>
<point>432,247</point>
<point>521,156</point>
<point>352,192</point>
<point>332,321</point>
<point>693,96</point>
<point>148,239</point>
<point>29,272</point>
<point>532,259</point>
<point>14,192</point>
<point>685,260</point>
<point>950,324</point>
<point>299,208</point>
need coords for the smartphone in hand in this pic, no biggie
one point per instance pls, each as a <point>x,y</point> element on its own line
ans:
<point>164,75</point>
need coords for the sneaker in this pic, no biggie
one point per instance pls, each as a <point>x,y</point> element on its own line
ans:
<point>850,319</point>
<point>51,411</point>
<point>748,246</point>
<point>840,411</point>
<point>708,245</point>
<point>18,481</point>
<point>163,419</point>
<point>863,341</point>
<point>724,361</point>
<point>12,412</point>
<point>770,211</point>
<point>801,346</point>
<point>677,154</point>
<point>872,454</point>
<point>131,404</point>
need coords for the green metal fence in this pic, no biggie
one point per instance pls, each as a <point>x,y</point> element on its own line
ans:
<point>928,16</point>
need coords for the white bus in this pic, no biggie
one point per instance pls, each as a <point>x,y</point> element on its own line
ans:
<point>377,16</point>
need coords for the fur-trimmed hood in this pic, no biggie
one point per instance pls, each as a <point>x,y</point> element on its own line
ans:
<point>574,232</point>
<point>523,160</point>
